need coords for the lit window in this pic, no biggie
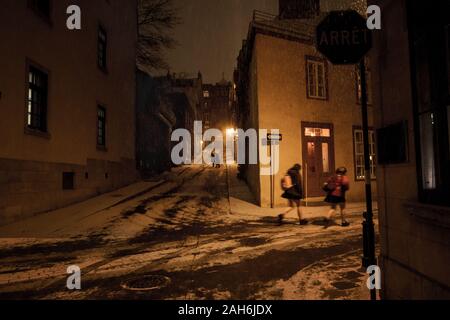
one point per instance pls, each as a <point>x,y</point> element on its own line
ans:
<point>431,98</point>
<point>205,94</point>
<point>317,81</point>
<point>427,124</point>
<point>325,158</point>
<point>37,100</point>
<point>317,132</point>
<point>359,154</point>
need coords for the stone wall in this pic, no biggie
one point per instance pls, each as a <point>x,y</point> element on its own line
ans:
<point>414,236</point>
<point>31,187</point>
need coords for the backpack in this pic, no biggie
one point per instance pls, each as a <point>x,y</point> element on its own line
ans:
<point>330,185</point>
<point>286,182</point>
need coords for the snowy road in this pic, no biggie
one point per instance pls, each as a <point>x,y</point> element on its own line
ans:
<point>179,241</point>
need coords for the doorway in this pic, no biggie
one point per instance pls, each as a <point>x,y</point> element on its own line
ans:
<point>318,156</point>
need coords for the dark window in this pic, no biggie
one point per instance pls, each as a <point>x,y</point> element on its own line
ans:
<point>37,99</point>
<point>392,144</point>
<point>102,48</point>
<point>429,25</point>
<point>68,181</point>
<point>42,7</point>
<point>101,126</point>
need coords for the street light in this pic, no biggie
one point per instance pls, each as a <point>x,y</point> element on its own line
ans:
<point>231,132</point>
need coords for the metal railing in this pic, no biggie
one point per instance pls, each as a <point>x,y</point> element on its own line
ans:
<point>295,27</point>
<point>263,16</point>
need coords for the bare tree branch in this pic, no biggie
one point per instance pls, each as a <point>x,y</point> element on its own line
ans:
<point>156,21</point>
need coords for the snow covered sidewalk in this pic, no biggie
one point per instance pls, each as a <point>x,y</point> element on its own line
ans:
<point>243,203</point>
<point>45,224</point>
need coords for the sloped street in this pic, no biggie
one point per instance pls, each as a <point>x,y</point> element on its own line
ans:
<point>178,239</point>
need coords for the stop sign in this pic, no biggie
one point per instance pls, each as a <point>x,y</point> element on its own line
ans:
<point>343,37</point>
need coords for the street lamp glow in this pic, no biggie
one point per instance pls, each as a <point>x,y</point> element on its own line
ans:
<point>230,132</point>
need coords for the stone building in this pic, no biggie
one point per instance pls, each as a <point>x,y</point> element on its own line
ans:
<point>219,106</point>
<point>411,77</point>
<point>187,97</point>
<point>164,104</point>
<point>155,121</point>
<point>67,100</point>
<point>284,83</point>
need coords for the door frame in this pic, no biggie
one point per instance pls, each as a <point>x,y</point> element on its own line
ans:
<point>330,140</point>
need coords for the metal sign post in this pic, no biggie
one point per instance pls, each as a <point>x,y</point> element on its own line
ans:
<point>271,139</point>
<point>369,258</point>
<point>343,37</point>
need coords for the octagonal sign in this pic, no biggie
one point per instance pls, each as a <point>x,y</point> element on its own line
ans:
<point>343,37</point>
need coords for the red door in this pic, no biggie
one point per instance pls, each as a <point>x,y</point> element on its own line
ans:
<point>318,157</point>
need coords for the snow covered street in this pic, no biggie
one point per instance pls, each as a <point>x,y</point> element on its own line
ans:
<point>178,238</point>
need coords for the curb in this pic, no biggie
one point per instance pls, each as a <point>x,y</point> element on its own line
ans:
<point>348,214</point>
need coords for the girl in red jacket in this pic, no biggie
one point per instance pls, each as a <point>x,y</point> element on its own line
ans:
<point>336,188</point>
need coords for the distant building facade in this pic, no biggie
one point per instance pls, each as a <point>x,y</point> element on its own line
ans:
<point>411,64</point>
<point>164,104</point>
<point>67,97</point>
<point>187,96</point>
<point>284,83</point>
<point>155,122</point>
<point>219,106</point>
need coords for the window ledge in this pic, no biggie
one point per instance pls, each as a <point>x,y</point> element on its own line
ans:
<point>435,215</point>
<point>317,98</point>
<point>37,133</point>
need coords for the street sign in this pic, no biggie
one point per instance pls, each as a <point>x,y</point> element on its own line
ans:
<point>274,137</point>
<point>343,37</point>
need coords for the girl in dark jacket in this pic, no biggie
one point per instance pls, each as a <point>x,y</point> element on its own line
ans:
<point>294,194</point>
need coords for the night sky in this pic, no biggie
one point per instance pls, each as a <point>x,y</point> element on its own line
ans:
<point>210,37</point>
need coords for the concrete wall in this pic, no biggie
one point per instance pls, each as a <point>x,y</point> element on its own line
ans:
<point>283,104</point>
<point>76,86</point>
<point>415,237</point>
